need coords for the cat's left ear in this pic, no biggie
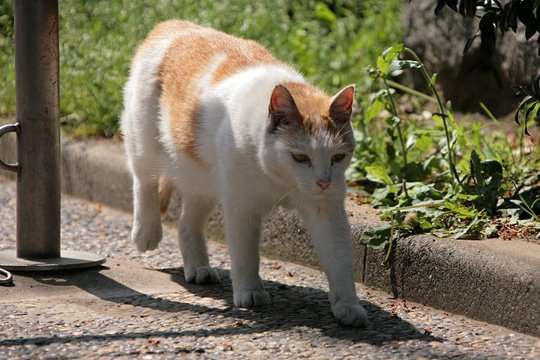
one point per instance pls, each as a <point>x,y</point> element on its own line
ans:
<point>341,107</point>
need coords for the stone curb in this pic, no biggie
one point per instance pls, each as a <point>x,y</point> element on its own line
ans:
<point>493,280</point>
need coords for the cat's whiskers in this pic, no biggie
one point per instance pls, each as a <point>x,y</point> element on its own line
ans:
<point>278,202</point>
<point>339,138</point>
<point>296,202</point>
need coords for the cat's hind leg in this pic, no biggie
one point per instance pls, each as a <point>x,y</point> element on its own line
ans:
<point>146,231</point>
<point>195,211</point>
<point>145,162</point>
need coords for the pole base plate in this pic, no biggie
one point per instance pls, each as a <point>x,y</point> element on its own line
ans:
<point>69,259</point>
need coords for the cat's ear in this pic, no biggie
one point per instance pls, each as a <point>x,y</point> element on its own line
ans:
<point>282,109</point>
<point>341,107</point>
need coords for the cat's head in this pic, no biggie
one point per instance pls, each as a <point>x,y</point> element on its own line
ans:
<point>312,136</point>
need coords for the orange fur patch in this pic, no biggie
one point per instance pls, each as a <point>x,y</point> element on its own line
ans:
<point>165,193</point>
<point>185,62</point>
<point>161,31</point>
<point>313,105</point>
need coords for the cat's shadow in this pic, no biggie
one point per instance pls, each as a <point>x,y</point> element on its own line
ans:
<point>300,306</point>
<point>292,306</point>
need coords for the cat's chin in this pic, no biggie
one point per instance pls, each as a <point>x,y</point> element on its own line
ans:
<point>319,195</point>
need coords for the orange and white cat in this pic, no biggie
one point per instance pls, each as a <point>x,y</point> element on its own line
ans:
<point>224,121</point>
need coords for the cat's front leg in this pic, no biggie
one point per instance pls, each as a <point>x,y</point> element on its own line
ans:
<point>242,229</point>
<point>195,210</point>
<point>329,229</point>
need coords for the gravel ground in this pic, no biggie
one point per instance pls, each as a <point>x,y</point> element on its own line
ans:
<point>199,321</point>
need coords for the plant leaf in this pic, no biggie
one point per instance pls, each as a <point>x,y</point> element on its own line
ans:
<point>467,231</point>
<point>476,169</point>
<point>462,7</point>
<point>471,8</point>
<point>530,30</point>
<point>376,238</point>
<point>511,19</point>
<point>432,81</point>
<point>469,43</point>
<point>535,82</point>
<point>440,5</point>
<point>393,52</point>
<point>374,109</point>
<point>423,143</point>
<point>488,39</point>
<point>452,4</point>
<point>523,102</point>
<point>383,65</point>
<point>402,65</point>
<point>528,115</point>
<point>324,14</point>
<point>460,210</point>
<point>377,172</point>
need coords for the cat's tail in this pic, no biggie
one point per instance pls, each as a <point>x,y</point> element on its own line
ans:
<point>165,193</point>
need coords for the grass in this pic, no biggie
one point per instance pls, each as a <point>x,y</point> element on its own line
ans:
<point>331,42</point>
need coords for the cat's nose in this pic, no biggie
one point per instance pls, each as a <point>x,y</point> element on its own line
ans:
<point>323,184</point>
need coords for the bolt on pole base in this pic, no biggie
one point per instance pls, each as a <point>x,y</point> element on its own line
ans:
<point>69,259</point>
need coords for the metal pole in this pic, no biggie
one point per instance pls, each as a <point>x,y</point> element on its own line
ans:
<point>38,145</point>
<point>37,91</point>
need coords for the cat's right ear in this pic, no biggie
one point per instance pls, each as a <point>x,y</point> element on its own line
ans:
<point>282,109</point>
<point>342,103</point>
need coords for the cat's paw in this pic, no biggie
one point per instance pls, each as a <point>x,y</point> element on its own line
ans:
<point>250,298</point>
<point>350,314</point>
<point>146,236</point>
<point>201,275</point>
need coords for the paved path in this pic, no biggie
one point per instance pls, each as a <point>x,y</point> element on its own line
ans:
<point>139,306</point>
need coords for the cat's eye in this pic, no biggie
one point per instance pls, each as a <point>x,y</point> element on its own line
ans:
<point>301,158</point>
<point>337,158</point>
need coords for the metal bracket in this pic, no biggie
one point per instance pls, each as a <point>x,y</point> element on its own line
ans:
<point>5,277</point>
<point>4,130</point>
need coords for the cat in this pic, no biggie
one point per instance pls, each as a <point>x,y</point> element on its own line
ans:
<point>223,121</point>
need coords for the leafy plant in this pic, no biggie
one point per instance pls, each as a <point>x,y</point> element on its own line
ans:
<point>530,103</point>
<point>486,182</point>
<point>495,16</point>
<point>428,173</point>
<point>329,41</point>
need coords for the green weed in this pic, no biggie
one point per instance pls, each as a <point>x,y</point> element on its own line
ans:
<point>429,173</point>
<point>329,41</point>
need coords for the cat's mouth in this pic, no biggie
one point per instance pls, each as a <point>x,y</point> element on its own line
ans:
<point>313,193</point>
<point>320,193</point>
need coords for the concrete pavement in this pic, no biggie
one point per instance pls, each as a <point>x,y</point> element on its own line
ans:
<point>139,306</point>
<point>492,280</point>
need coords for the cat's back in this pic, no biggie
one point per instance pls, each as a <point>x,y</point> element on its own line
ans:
<point>196,48</point>
<point>189,52</point>
<point>195,58</point>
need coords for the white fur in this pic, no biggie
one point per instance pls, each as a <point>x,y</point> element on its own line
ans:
<point>249,171</point>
